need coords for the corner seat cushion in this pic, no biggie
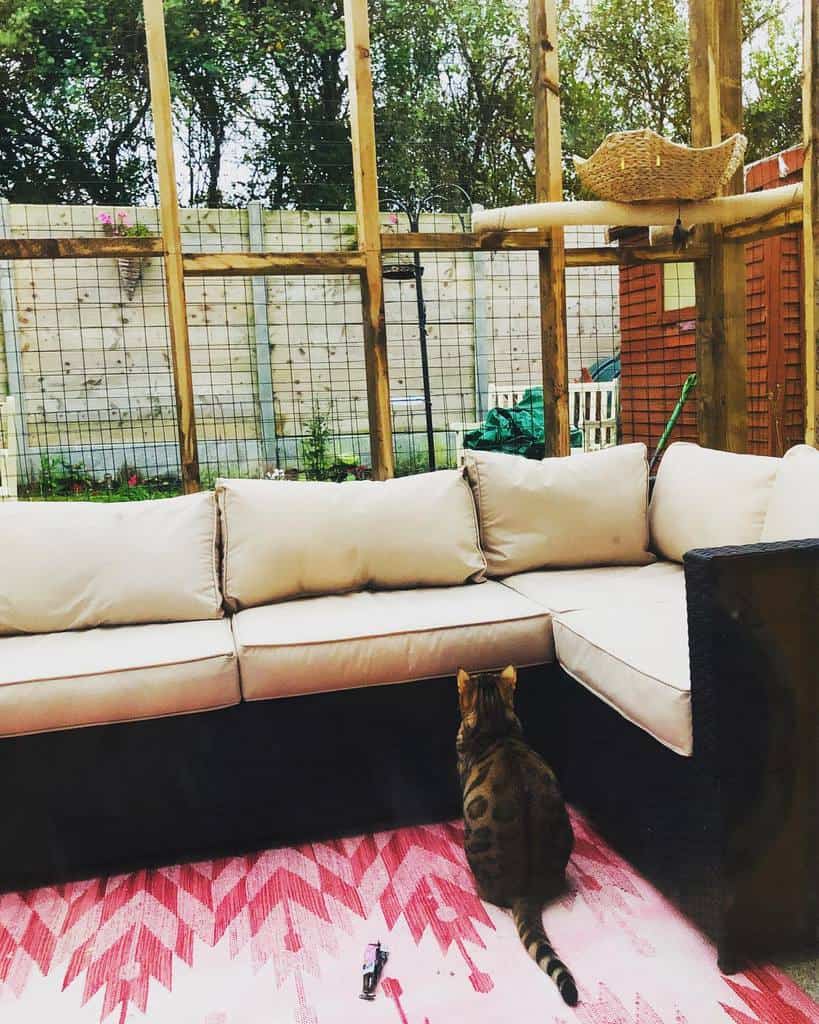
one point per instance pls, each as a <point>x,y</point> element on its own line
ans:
<point>115,674</point>
<point>635,658</point>
<point>350,640</point>
<point>566,590</point>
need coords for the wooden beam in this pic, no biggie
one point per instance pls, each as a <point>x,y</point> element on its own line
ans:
<point>463,241</point>
<point>759,228</point>
<point>632,255</point>
<point>241,263</point>
<point>169,219</point>
<point>722,210</point>
<point>810,247</point>
<point>236,264</point>
<point>715,53</point>
<point>362,137</point>
<point>545,78</point>
<point>78,248</point>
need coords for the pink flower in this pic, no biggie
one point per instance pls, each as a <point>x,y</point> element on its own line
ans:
<point>132,480</point>
<point>393,218</point>
<point>123,219</point>
<point>105,218</point>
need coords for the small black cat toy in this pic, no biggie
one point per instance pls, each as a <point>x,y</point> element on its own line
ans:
<point>374,959</point>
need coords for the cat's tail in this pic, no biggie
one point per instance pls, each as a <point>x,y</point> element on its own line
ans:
<point>529,923</point>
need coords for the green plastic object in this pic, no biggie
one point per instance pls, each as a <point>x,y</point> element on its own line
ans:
<point>516,431</point>
<point>688,386</point>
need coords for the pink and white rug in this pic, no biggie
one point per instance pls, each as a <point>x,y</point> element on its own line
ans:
<point>277,938</point>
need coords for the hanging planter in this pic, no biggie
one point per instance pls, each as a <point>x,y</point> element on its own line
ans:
<point>129,268</point>
<point>130,273</point>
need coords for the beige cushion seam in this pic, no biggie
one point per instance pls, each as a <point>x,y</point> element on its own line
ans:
<point>228,655</point>
<point>623,714</point>
<point>475,577</point>
<point>404,632</point>
<point>125,721</point>
<point>214,560</point>
<point>365,686</point>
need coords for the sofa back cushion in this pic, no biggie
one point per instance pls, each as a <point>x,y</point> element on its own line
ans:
<point>793,511</point>
<point>583,510</point>
<point>706,498</point>
<point>74,565</point>
<point>288,539</point>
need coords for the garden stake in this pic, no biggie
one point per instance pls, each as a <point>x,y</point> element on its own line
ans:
<point>690,383</point>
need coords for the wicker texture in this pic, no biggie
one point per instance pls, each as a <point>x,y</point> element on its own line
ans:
<point>641,165</point>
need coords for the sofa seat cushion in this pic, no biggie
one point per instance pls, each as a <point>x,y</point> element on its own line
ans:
<point>115,674</point>
<point>635,658</point>
<point>349,640</point>
<point>565,590</point>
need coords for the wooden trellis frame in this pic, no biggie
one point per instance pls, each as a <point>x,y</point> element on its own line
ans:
<point>716,95</point>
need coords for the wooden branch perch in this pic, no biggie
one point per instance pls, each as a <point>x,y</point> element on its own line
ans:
<point>722,210</point>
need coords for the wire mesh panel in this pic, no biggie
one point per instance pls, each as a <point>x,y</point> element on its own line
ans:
<point>278,361</point>
<point>90,338</point>
<point>480,314</point>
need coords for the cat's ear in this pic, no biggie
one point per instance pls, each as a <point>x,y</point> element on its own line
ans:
<point>509,676</point>
<point>466,690</point>
<point>506,685</point>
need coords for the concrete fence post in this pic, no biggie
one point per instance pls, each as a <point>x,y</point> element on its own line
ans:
<point>481,288</point>
<point>261,329</point>
<point>11,342</point>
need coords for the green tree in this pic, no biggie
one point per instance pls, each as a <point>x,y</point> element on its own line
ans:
<point>73,101</point>
<point>261,104</point>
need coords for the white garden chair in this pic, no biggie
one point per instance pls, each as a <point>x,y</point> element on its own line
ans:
<point>592,407</point>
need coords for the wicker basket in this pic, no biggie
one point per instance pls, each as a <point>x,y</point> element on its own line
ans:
<point>636,166</point>
<point>130,273</point>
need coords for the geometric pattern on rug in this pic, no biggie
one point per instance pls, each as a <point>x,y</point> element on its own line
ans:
<point>277,937</point>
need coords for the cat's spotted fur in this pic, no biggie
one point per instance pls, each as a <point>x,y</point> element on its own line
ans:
<point>518,836</point>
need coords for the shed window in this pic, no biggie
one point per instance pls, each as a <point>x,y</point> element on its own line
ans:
<point>678,286</point>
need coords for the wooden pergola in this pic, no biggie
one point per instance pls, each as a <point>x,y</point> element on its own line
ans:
<point>716,94</point>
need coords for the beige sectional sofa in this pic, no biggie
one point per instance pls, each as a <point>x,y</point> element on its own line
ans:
<point>175,662</point>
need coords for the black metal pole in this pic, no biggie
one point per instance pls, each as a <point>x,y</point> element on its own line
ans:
<point>415,225</point>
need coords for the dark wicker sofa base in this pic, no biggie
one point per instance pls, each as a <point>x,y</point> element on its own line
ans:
<point>731,832</point>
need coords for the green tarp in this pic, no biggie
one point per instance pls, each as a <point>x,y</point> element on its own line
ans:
<point>516,431</point>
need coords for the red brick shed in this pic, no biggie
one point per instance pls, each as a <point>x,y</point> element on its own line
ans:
<point>658,322</point>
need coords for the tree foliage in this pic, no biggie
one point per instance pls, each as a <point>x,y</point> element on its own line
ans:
<point>260,95</point>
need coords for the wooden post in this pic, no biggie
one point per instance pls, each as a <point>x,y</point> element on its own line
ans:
<point>362,136</point>
<point>169,219</point>
<point>715,52</point>
<point>810,217</point>
<point>543,61</point>
<point>264,375</point>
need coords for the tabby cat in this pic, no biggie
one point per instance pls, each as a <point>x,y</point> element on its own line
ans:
<point>518,836</point>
